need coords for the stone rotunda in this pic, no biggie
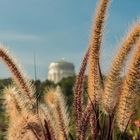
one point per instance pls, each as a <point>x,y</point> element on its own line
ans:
<point>59,70</point>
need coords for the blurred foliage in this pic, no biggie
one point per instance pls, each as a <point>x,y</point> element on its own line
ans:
<point>4,82</point>
<point>67,86</point>
<point>40,88</point>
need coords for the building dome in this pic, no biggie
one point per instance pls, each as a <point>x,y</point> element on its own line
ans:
<point>59,70</point>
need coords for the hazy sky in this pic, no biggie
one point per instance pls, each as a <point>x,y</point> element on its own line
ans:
<point>57,29</point>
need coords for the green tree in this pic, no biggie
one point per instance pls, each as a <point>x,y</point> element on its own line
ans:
<point>67,85</point>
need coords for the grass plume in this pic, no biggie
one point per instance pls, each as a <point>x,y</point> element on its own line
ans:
<point>79,89</point>
<point>128,96</point>
<point>57,105</point>
<point>19,77</point>
<point>109,97</point>
<point>94,79</point>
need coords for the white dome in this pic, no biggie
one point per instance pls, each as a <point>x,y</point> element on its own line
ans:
<point>59,70</point>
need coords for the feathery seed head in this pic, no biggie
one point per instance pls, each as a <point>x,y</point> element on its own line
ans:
<point>19,77</point>
<point>25,127</point>
<point>11,105</point>
<point>57,107</point>
<point>128,96</point>
<point>94,77</point>
<point>110,96</point>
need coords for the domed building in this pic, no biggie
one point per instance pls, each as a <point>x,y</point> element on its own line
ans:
<point>59,70</point>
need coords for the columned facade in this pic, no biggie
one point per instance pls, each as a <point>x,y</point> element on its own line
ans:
<point>59,70</point>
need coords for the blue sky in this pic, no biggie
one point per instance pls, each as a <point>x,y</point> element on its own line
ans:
<point>57,29</point>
